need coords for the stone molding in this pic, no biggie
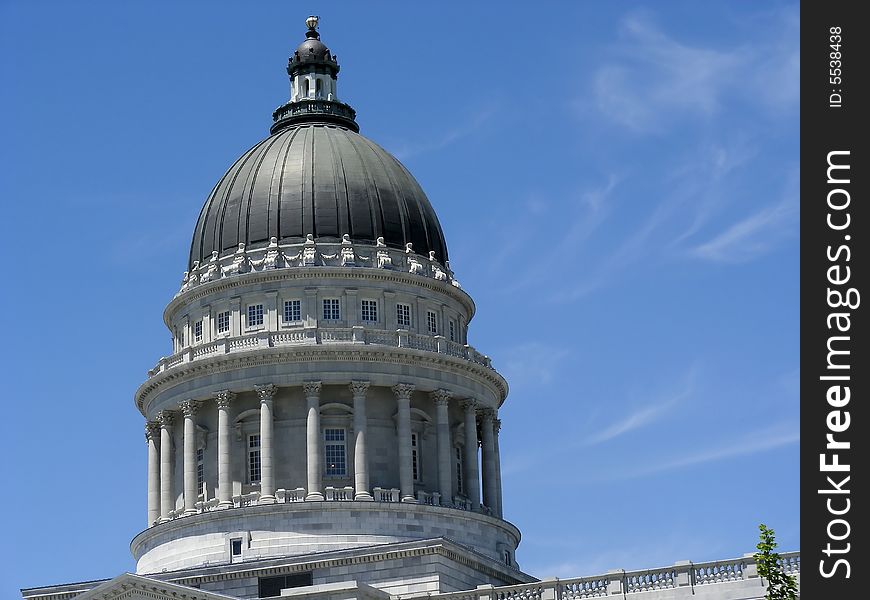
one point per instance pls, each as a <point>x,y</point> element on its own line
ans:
<point>441,397</point>
<point>266,392</point>
<point>165,418</point>
<point>152,431</point>
<point>224,398</point>
<point>301,274</point>
<point>403,391</point>
<point>359,388</point>
<point>311,389</point>
<point>469,404</point>
<point>189,407</point>
<point>277,356</point>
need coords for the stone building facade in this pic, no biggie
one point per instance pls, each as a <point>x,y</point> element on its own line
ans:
<point>322,427</point>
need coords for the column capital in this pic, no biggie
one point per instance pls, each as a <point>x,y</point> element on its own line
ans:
<point>224,398</point>
<point>441,397</point>
<point>152,431</point>
<point>165,419</point>
<point>469,404</point>
<point>188,407</point>
<point>403,391</point>
<point>486,414</point>
<point>496,425</point>
<point>266,391</point>
<point>359,388</point>
<point>311,388</point>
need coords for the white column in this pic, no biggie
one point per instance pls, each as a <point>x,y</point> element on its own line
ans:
<point>360,456</point>
<point>403,393</point>
<point>472,479</point>
<point>188,408</point>
<point>152,435</point>
<point>225,481</point>
<point>496,423</point>
<point>313,438</point>
<point>167,502</point>
<point>266,394</point>
<point>441,398</point>
<point>488,459</point>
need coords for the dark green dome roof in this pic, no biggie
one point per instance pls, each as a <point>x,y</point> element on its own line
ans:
<point>319,178</point>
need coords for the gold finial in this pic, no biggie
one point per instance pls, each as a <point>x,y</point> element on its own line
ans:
<point>312,21</point>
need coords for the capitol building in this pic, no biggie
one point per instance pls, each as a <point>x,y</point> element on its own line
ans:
<point>323,427</point>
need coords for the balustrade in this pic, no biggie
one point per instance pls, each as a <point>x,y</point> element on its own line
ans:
<point>717,572</point>
<point>587,587</point>
<point>386,495</point>
<point>651,580</point>
<point>430,498</point>
<point>330,336</point>
<point>529,591</point>
<point>294,495</point>
<point>249,499</point>
<point>262,339</point>
<point>338,494</point>
<point>462,503</point>
<point>289,337</point>
<point>685,575</point>
<point>791,563</point>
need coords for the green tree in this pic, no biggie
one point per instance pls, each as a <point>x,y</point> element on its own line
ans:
<point>780,586</point>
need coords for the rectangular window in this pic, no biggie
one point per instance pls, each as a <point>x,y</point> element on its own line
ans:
<point>181,337</point>
<point>331,309</point>
<point>452,330</point>
<point>403,315</point>
<point>415,456</point>
<point>223,322</point>
<point>431,322</point>
<point>200,468</point>
<point>255,315</point>
<point>254,458</point>
<point>236,547</point>
<point>335,451</point>
<point>292,311</point>
<point>271,586</point>
<point>197,331</point>
<point>459,489</point>
<point>369,311</point>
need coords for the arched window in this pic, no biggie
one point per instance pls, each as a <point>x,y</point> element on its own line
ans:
<point>305,88</point>
<point>319,88</point>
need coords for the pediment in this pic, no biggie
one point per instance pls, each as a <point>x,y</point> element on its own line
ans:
<point>137,587</point>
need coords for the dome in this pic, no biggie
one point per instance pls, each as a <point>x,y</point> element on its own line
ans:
<point>318,178</point>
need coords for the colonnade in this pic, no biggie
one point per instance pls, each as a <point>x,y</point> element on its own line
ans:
<point>159,436</point>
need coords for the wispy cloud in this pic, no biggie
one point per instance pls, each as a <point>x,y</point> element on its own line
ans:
<point>754,235</point>
<point>533,362</point>
<point>776,436</point>
<point>406,150</point>
<point>648,414</point>
<point>656,75</point>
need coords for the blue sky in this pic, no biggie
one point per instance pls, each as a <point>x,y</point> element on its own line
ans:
<point>618,184</point>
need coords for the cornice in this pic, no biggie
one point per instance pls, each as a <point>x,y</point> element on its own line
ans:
<point>301,274</point>
<point>356,556</point>
<point>316,353</point>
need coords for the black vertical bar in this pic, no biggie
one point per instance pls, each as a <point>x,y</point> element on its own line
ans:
<point>835,225</point>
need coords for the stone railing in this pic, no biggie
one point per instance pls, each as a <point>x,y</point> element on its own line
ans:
<point>343,494</point>
<point>294,495</point>
<point>684,579</point>
<point>430,498</point>
<point>386,495</point>
<point>321,335</point>
<point>330,493</point>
